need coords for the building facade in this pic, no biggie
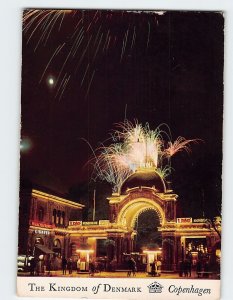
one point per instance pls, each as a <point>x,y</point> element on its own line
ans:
<point>53,225</point>
<point>43,222</point>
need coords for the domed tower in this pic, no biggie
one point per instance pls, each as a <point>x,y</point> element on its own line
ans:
<point>144,178</point>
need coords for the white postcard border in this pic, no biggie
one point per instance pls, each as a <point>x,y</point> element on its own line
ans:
<point>120,288</point>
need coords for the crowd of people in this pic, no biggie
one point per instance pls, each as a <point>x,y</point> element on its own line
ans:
<point>41,265</point>
<point>200,267</point>
<point>185,268</point>
<point>156,268</point>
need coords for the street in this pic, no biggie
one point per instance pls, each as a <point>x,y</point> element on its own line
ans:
<point>117,274</point>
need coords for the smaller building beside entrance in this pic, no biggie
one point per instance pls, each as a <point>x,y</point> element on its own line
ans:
<point>43,222</point>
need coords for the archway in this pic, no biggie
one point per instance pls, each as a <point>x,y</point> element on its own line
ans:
<point>125,210</point>
<point>147,235</point>
<point>57,247</point>
<point>130,211</point>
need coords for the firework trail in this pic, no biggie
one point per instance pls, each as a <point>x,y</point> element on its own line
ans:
<point>136,146</point>
<point>180,144</point>
<point>80,40</point>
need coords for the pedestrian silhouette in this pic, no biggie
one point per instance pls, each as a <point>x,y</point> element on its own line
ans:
<point>153,268</point>
<point>64,265</point>
<point>69,265</point>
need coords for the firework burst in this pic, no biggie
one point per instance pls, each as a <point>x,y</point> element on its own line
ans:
<point>84,39</point>
<point>136,146</point>
<point>180,144</point>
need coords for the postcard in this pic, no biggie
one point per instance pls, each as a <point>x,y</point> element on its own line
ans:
<point>121,154</point>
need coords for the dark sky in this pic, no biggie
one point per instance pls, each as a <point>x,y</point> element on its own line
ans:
<point>157,68</point>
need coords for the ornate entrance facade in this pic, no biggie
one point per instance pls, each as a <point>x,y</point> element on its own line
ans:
<point>143,190</point>
<point>146,190</point>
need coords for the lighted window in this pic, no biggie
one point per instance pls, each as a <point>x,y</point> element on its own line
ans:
<point>40,213</point>
<point>63,218</point>
<point>59,217</point>
<point>54,216</point>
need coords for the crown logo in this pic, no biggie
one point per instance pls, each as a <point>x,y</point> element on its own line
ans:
<point>155,287</point>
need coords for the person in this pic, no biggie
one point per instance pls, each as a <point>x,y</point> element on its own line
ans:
<point>78,265</point>
<point>186,268</point>
<point>132,267</point>
<point>206,269</point>
<point>189,267</point>
<point>129,267</point>
<point>69,265</point>
<point>38,266</point>
<point>100,267</point>
<point>113,264</point>
<point>198,268</point>
<point>49,266</point>
<point>153,268</point>
<point>64,265</point>
<point>181,268</point>
<point>32,266</point>
<point>91,268</point>
<point>159,264</point>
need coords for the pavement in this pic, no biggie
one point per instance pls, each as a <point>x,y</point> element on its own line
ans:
<point>117,274</point>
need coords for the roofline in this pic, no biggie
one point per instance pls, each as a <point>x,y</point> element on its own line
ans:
<point>47,196</point>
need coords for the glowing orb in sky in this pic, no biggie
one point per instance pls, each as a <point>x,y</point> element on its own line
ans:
<point>51,81</point>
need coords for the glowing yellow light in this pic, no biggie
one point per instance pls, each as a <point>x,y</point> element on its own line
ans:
<point>85,251</point>
<point>218,253</point>
<point>151,251</point>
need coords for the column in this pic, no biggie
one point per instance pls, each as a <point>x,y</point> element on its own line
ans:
<point>168,253</point>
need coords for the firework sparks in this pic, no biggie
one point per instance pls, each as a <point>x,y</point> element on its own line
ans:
<point>180,144</point>
<point>136,146</point>
<point>91,34</point>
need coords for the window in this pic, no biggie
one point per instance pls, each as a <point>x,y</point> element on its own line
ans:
<point>40,213</point>
<point>54,216</point>
<point>59,217</point>
<point>63,218</point>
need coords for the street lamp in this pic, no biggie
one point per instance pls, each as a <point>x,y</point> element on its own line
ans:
<point>85,253</point>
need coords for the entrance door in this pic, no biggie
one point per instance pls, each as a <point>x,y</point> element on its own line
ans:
<point>148,237</point>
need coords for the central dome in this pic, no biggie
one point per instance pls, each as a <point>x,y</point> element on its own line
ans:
<point>144,177</point>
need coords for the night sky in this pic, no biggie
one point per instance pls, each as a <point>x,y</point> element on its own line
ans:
<point>156,68</point>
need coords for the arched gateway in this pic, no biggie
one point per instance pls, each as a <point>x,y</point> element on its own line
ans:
<point>143,190</point>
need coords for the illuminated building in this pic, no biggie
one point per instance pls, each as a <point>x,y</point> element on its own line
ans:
<point>43,222</point>
<point>141,191</point>
<point>55,224</point>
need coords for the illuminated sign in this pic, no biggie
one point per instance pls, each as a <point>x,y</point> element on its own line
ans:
<point>42,225</point>
<point>90,223</point>
<point>184,220</point>
<point>75,223</point>
<point>104,222</point>
<point>39,231</point>
<point>199,220</point>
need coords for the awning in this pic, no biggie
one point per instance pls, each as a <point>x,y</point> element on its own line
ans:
<point>44,249</point>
